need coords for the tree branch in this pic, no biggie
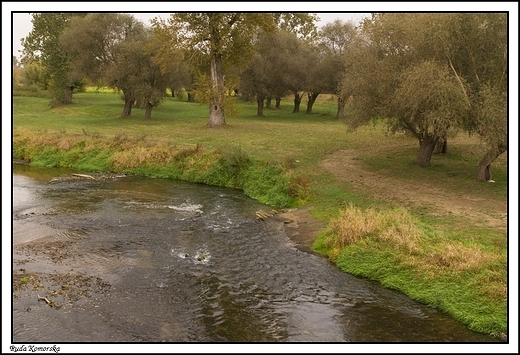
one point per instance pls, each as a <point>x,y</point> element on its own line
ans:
<point>459,80</point>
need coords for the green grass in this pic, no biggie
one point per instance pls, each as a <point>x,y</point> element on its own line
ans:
<point>276,159</point>
<point>394,247</point>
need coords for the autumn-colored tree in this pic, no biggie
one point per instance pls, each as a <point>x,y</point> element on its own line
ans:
<point>224,41</point>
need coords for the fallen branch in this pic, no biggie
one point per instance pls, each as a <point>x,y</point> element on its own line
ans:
<point>44,299</point>
<point>84,176</point>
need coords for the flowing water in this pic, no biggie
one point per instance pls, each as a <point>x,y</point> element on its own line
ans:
<point>147,260</point>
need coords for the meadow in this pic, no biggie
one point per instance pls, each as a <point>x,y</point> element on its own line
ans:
<point>436,234</point>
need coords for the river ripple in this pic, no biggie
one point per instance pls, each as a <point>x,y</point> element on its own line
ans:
<point>149,260</point>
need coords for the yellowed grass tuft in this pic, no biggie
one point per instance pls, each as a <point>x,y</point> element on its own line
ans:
<point>137,156</point>
<point>459,257</point>
<point>394,227</point>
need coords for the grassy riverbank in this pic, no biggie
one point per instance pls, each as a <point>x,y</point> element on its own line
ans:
<point>436,234</point>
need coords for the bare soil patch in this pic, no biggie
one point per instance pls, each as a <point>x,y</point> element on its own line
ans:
<point>345,166</point>
<point>302,228</point>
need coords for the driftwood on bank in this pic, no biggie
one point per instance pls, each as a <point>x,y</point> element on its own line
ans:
<point>84,176</point>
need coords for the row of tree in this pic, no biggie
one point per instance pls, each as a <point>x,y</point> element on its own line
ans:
<point>427,73</point>
<point>423,73</point>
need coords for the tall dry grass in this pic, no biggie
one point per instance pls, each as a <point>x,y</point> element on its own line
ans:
<point>393,227</point>
<point>431,254</point>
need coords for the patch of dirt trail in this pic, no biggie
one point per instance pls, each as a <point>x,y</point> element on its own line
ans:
<point>347,167</point>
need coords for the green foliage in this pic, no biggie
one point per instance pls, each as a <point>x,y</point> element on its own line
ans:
<point>235,159</point>
<point>387,75</point>
<point>427,102</point>
<point>268,184</point>
<point>43,45</point>
<point>33,75</point>
<point>303,24</point>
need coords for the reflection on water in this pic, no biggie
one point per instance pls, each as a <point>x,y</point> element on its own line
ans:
<point>148,260</point>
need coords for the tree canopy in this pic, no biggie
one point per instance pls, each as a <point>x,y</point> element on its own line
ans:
<point>42,45</point>
<point>391,72</point>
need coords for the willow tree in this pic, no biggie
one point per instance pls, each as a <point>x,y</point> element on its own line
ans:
<point>222,40</point>
<point>103,45</point>
<point>42,45</point>
<point>427,102</point>
<point>337,38</point>
<point>469,50</point>
<point>478,52</point>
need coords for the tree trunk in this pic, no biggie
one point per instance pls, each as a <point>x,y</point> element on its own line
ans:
<point>277,104</point>
<point>191,97</point>
<point>426,145</point>
<point>148,111</point>
<point>141,103</point>
<point>127,109</point>
<point>67,98</point>
<point>260,105</point>
<point>311,100</point>
<point>216,109</point>
<point>297,101</point>
<point>442,146</point>
<point>61,97</point>
<point>268,102</point>
<point>484,168</point>
<point>342,101</point>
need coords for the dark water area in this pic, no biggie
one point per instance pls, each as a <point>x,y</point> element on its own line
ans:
<point>133,259</point>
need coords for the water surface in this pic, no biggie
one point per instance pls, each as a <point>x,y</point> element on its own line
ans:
<point>148,260</point>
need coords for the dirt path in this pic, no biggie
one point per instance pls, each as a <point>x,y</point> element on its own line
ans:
<point>478,211</point>
<point>302,228</point>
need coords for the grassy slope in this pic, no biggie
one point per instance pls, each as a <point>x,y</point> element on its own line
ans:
<point>298,142</point>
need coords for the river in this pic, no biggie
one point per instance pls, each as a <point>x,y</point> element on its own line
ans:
<point>132,259</point>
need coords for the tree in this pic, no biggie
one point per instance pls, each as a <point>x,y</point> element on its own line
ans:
<point>492,127</point>
<point>33,75</point>
<point>478,53</point>
<point>43,45</point>
<point>254,81</point>
<point>467,49</point>
<point>427,101</point>
<point>108,49</point>
<point>139,76</point>
<point>474,48</point>
<point>295,65</point>
<point>324,69</point>
<point>263,78</point>
<point>337,38</point>
<point>223,40</point>
<point>300,23</point>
